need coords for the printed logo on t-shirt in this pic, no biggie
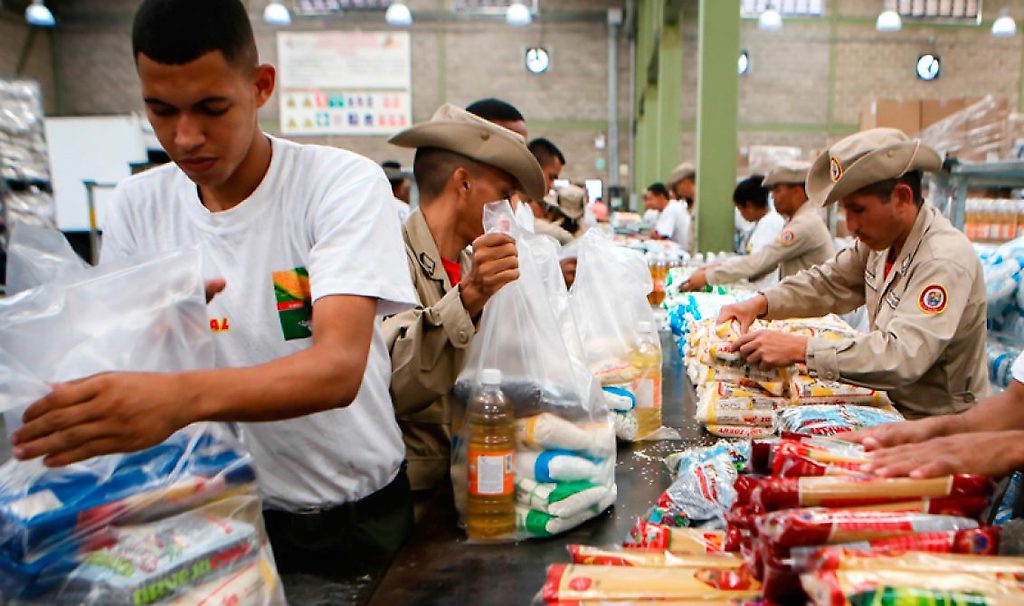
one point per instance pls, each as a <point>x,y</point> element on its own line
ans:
<point>294,303</point>
<point>219,324</point>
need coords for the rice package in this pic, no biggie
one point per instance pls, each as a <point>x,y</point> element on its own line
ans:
<point>825,420</point>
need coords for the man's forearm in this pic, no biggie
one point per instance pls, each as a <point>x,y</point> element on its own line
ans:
<point>306,382</point>
<point>1001,412</point>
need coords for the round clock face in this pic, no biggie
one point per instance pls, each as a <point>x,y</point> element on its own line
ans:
<point>743,64</point>
<point>928,67</point>
<point>537,60</point>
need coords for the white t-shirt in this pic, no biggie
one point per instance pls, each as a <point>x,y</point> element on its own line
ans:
<point>674,223</point>
<point>322,210</point>
<point>766,230</point>
<point>1018,369</point>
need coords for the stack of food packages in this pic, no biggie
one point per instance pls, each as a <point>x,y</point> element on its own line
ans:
<point>562,453</point>
<point>179,523</point>
<point>1004,289</point>
<point>685,309</point>
<point>798,521</point>
<point>736,399</point>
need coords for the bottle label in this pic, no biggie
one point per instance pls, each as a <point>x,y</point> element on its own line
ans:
<point>490,473</point>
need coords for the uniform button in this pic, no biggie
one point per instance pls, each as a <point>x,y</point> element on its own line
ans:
<point>463,337</point>
<point>969,398</point>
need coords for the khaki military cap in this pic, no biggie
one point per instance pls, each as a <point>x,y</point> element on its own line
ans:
<point>864,159</point>
<point>683,171</point>
<point>787,173</point>
<point>570,201</point>
<point>456,130</point>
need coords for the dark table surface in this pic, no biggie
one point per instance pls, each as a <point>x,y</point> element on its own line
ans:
<point>437,566</point>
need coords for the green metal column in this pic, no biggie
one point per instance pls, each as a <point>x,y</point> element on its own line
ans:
<point>645,41</point>
<point>717,108</point>
<point>670,88</point>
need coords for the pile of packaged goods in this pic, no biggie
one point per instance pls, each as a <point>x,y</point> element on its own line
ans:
<point>620,339</point>
<point>809,524</point>
<point>738,400</point>
<point>1005,293</point>
<point>533,449</point>
<point>686,309</point>
<point>179,523</point>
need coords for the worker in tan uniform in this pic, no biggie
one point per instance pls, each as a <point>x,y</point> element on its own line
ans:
<point>804,242</point>
<point>542,222</point>
<point>682,185</point>
<point>918,276</point>
<point>462,162</point>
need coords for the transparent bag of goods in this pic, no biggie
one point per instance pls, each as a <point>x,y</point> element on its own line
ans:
<point>619,333</point>
<point>533,450</point>
<point>178,523</point>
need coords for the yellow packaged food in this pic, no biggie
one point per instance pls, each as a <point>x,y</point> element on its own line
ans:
<point>572,582</point>
<point>595,556</point>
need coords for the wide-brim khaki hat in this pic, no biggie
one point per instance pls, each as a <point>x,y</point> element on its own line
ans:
<point>787,173</point>
<point>456,130</point>
<point>866,158</point>
<point>570,201</point>
<point>683,171</point>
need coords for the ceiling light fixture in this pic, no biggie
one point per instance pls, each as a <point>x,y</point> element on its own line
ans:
<point>277,13</point>
<point>518,14</point>
<point>889,20</point>
<point>399,15</point>
<point>770,20</point>
<point>38,15</point>
<point>1004,26</point>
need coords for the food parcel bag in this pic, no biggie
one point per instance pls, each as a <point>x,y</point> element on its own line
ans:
<point>562,468</point>
<point>619,333</point>
<point>179,523</point>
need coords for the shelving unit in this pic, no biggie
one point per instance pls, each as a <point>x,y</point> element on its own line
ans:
<point>948,189</point>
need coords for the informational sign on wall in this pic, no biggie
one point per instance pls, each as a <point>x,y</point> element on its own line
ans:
<point>344,83</point>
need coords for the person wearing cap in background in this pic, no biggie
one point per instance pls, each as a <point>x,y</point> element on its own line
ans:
<point>803,243</point>
<point>571,201</point>
<point>462,162</point>
<point>682,185</point>
<point>673,221</point>
<point>400,187</point>
<point>918,276</point>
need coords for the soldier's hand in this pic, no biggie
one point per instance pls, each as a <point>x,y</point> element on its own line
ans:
<point>897,434</point>
<point>213,287</point>
<point>992,454</point>
<point>768,349</point>
<point>744,313</point>
<point>495,264</point>
<point>697,281</point>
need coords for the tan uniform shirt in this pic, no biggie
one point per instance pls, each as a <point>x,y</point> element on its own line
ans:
<point>927,341</point>
<point>428,348</point>
<point>803,243</point>
<point>543,227</point>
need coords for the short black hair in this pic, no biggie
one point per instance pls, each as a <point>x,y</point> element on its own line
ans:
<point>432,168</point>
<point>751,190</point>
<point>492,109</point>
<point>175,32</point>
<point>545,151</point>
<point>882,189</point>
<point>658,189</point>
<point>391,164</point>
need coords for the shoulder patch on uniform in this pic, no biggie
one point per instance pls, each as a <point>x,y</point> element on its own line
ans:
<point>933,299</point>
<point>787,237</point>
<point>835,169</point>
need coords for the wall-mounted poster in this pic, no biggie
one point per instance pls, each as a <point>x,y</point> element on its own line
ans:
<point>344,83</point>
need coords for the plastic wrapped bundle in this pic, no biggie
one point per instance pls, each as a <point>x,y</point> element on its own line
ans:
<point>824,420</point>
<point>555,401</point>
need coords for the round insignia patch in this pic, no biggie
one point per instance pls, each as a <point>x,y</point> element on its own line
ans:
<point>933,299</point>
<point>835,169</point>
<point>787,237</point>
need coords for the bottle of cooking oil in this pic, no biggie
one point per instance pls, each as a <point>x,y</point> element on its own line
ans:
<point>491,432</point>
<point>647,385</point>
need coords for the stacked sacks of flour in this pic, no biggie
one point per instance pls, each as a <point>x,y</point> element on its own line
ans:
<point>740,400</point>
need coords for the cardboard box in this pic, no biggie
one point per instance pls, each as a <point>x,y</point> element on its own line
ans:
<point>892,113</point>
<point>933,110</point>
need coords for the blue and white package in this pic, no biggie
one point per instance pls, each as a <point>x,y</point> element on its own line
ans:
<point>557,466</point>
<point>828,420</point>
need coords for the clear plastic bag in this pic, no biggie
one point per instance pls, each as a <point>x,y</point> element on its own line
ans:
<point>557,404</point>
<point>37,255</point>
<point>618,329</point>
<point>179,523</point>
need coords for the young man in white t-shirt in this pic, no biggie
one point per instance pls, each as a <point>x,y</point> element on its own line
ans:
<point>673,220</point>
<point>311,256</point>
<point>987,439</point>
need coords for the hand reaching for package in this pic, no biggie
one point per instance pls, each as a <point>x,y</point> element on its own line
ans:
<point>495,264</point>
<point>745,313</point>
<point>101,414</point>
<point>991,454</point>
<point>769,349</point>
